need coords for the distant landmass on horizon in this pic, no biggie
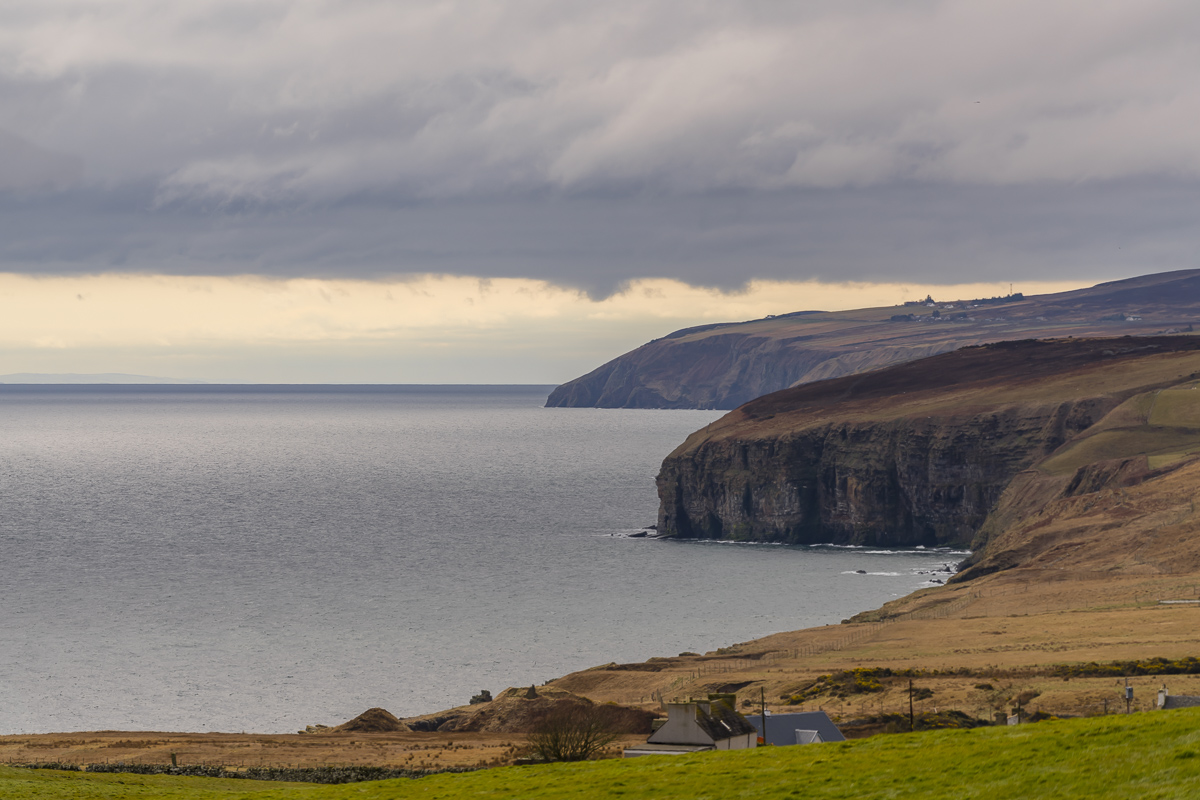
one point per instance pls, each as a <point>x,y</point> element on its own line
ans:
<point>96,377</point>
<point>723,365</point>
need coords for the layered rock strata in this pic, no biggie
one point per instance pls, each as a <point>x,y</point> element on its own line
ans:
<point>927,481</point>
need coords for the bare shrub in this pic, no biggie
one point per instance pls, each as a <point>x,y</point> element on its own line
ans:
<point>572,732</point>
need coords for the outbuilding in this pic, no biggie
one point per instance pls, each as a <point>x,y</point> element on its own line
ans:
<point>1167,701</point>
<point>807,727</point>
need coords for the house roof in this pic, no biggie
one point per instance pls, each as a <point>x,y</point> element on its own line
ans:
<point>781,728</point>
<point>649,749</point>
<point>1181,701</point>
<point>723,722</point>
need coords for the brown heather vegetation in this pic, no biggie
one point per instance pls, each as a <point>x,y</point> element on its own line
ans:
<point>406,750</point>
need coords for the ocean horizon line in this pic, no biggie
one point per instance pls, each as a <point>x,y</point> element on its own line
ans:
<point>205,385</point>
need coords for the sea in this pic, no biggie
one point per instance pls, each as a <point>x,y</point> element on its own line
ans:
<point>261,558</point>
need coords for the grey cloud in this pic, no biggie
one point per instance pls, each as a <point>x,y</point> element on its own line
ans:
<point>911,232</point>
<point>594,143</point>
<point>26,167</point>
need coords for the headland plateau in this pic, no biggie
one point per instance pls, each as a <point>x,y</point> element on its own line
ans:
<point>724,365</point>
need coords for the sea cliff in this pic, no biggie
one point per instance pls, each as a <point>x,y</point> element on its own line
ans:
<point>904,482</point>
<point>918,454</point>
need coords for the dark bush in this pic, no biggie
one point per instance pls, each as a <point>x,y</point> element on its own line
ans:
<point>573,732</point>
<point>1188,665</point>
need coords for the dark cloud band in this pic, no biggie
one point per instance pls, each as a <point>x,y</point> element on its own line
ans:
<point>919,233</point>
<point>590,144</point>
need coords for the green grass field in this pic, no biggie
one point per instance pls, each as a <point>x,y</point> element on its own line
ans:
<point>1173,442</point>
<point>1164,425</point>
<point>1149,756</point>
<point>1177,408</point>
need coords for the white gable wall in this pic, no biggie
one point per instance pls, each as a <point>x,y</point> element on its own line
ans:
<point>741,742</point>
<point>681,727</point>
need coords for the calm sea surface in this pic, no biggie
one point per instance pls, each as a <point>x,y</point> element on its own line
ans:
<point>263,558</point>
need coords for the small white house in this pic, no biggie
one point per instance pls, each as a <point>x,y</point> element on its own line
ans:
<point>696,726</point>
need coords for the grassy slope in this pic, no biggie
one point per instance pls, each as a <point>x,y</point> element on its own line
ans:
<point>964,382</point>
<point>1162,424</point>
<point>20,784</point>
<point>1151,755</point>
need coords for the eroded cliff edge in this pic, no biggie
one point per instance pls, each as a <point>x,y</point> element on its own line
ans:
<point>917,454</point>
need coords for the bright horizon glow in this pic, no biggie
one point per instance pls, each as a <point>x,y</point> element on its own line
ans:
<point>422,329</point>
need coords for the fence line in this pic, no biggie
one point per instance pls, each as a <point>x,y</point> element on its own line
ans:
<point>859,633</point>
<point>864,631</point>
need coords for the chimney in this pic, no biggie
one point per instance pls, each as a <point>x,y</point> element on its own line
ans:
<point>728,698</point>
<point>1162,696</point>
<point>680,710</point>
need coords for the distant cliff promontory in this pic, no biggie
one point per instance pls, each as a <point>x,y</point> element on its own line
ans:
<point>923,453</point>
<point>725,365</point>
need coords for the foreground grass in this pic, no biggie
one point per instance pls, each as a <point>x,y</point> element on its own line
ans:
<point>1150,756</point>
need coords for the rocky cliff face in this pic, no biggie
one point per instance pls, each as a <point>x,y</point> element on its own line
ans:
<point>725,370</point>
<point>917,454</point>
<point>904,482</point>
<point>710,370</point>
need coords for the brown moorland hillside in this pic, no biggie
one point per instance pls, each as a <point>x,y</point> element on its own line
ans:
<point>726,365</point>
<point>1086,568</point>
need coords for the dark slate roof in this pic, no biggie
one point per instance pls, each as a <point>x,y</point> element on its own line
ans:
<point>649,749</point>
<point>1181,701</point>
<point>781,728</point>
<point>723,722</point>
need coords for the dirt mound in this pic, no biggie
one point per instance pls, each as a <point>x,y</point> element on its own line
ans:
<point>514,711</point>
<point>373,720</point>
<point>523,715</point>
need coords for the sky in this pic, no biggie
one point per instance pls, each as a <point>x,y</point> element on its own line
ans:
<point>516,191</point>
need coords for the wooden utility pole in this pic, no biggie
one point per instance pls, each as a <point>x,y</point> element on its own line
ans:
<point>763,701</point>
<point>911,726</point>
